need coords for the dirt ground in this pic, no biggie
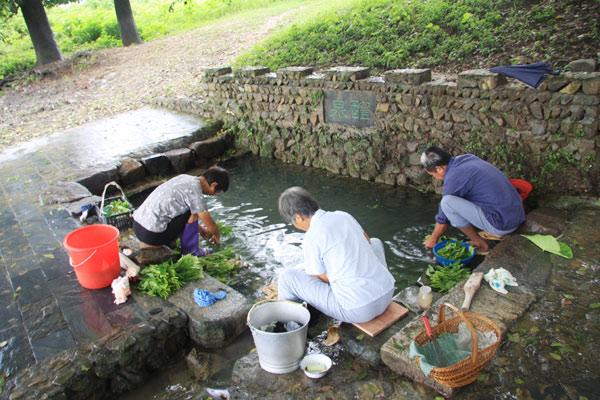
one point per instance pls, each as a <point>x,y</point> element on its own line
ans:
<point>107,82</point>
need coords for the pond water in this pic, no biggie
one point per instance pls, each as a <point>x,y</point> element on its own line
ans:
<point>400,217</point>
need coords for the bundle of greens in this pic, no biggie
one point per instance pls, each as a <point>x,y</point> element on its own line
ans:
<point>445,278</point>
<point>455,251</point>
<point>116,207</point>
<point>223,229</point>
<point>163,279</point>
<point>222,265</point>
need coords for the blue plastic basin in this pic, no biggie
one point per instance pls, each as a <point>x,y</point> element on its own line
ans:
<point>445,261</point>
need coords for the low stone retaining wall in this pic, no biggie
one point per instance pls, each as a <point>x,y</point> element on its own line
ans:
<point>111,366</point>
<point>375,127</point>
<point>120,362</point>
<point>174,157</point>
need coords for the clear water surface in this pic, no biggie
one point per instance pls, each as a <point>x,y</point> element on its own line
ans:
<point>400,217</point>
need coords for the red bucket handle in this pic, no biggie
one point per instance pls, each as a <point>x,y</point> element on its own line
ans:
<point>84,261</point>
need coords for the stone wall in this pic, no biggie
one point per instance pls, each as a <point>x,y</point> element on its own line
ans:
<point>111,366</point>
<point>548,135</point>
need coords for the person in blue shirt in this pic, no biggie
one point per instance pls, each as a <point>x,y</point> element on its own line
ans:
<point>345,275</point>
<point>475,195</point>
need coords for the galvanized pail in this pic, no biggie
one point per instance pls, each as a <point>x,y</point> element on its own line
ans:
<point>279,353</point>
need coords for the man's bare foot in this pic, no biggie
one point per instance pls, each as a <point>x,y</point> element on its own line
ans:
<point>490,236</point>
<point>481,247</point>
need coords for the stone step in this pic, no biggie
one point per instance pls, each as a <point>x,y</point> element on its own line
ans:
<point>216,325</point>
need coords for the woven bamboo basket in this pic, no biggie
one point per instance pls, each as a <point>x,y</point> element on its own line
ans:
<point>466,371</point>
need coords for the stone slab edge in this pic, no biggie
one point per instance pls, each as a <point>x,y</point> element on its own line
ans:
<point>501,309</point>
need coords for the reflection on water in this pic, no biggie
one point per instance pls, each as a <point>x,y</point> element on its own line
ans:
<point>398,216</point>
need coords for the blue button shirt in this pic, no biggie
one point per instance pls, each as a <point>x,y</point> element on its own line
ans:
<point>481,183</point>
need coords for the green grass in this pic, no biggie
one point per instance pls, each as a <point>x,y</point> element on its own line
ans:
<point>381,34</point>
<point>93,25</point>
<point>386,34</point>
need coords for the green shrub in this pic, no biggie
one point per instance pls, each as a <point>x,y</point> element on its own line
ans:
<point>386,34</point>
<point>93,25</point>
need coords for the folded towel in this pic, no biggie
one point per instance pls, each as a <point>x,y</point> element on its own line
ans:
<point>205,298</point>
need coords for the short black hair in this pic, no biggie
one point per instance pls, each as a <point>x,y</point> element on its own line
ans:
<point>434,157</point>
<point>219,175</point>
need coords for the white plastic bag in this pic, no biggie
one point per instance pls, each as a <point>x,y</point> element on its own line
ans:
<point>120,288</point>
<point>499,278</point>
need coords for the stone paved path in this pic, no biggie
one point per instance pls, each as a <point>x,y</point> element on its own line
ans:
<point>44,309</point>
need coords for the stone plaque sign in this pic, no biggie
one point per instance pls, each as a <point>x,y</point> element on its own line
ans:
<point>350,107</point>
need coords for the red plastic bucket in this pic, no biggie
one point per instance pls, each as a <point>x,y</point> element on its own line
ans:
<point>94,255</point>
<point>523,187</point>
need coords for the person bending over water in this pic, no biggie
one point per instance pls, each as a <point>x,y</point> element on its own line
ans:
<point>476,195</point>
<point>173,209</point>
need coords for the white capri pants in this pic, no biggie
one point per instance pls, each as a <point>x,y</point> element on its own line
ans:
<point>297,285</point>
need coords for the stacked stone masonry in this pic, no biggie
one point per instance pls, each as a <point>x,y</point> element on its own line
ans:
<point>539,134</point>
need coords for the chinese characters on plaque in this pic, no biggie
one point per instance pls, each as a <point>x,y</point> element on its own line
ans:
<point>347,107</point>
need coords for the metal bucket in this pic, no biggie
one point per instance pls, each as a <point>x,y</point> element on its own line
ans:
<point>279,353</point>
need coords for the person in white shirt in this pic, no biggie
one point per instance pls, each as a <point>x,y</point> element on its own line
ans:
<point>345,275</point>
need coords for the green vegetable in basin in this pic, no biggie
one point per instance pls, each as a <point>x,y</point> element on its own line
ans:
<point>455,251</point>
<point>116,207</point>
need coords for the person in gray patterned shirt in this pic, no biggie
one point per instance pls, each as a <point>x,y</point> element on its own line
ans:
<point>173,209</point>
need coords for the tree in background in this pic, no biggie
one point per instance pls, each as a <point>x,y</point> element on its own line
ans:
<point>42,37</point>
<point>127,27</point>
<point>40,31</point>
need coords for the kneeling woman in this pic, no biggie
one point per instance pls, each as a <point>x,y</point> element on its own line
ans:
<point>345,274</point>
<point>172,211</point>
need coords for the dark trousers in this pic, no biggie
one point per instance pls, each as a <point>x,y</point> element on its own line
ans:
<point>168,236</point>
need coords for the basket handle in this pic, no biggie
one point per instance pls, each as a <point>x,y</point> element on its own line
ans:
<point>442,318</point>
<point>113,183</point>
<point>260,303</point>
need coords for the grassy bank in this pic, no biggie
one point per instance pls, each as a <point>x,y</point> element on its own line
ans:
<point>93,25</point>
<point>453,35</point>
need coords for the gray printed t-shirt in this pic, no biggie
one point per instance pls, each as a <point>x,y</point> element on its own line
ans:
<point>170,199</point>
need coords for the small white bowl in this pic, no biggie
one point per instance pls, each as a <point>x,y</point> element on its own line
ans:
<point>315,359</point>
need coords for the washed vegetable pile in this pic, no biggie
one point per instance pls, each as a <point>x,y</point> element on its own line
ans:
<point>223,265</point>
<point>116,207</point>
<point>445,278</point>
<point>163,279</point>
<point>455,251</point>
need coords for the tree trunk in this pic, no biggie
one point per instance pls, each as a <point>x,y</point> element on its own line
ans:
<point>127,27</point>
<point>46,49</point>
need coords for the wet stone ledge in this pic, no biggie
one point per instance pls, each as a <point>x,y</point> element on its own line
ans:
<point>111,366</point>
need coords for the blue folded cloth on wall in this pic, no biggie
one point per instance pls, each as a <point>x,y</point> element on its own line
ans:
<point>205,298</point>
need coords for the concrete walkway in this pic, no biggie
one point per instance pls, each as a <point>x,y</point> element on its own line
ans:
<point>44,309</point>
